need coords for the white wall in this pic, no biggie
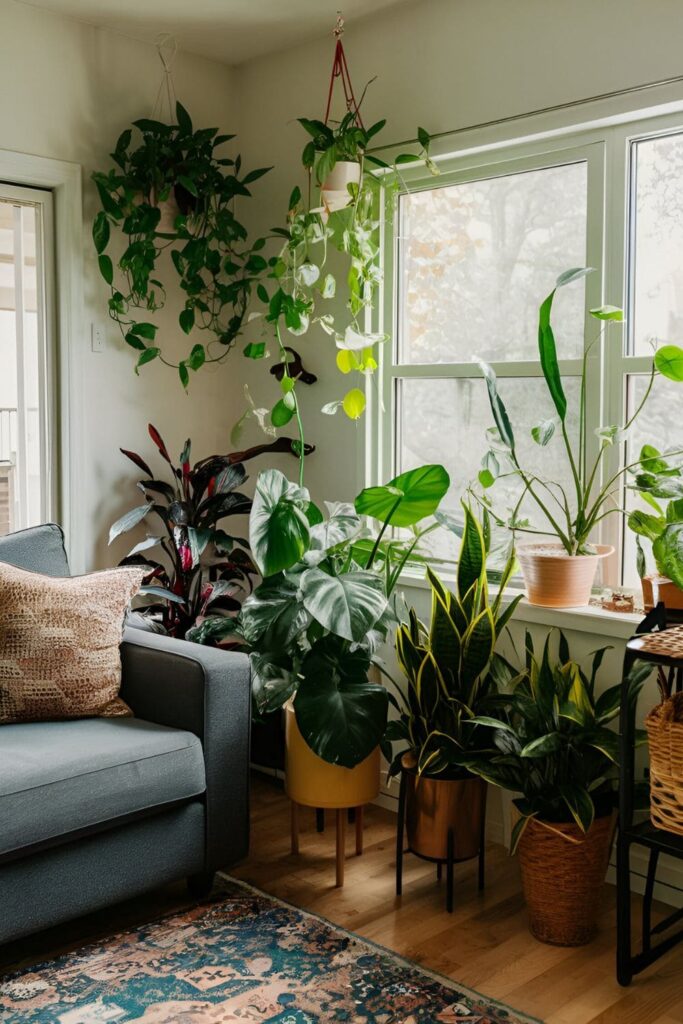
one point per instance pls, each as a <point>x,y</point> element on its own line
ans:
<point>66,92</point>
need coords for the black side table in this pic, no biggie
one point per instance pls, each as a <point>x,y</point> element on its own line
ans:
<point>647,645</point>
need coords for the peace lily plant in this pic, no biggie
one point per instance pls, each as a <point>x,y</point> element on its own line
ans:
<point>562,573</point>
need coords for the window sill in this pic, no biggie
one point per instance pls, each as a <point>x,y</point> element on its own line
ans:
<point>598,621</point>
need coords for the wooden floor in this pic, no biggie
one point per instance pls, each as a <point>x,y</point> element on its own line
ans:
<point>484,944</point>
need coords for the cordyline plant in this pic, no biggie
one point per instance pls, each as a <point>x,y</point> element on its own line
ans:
<point>216,266</point>
<point>552,741</point>
<point>450,666</point>
<point>571,518</point>
<point>205,570</point>
<point>304,282</point>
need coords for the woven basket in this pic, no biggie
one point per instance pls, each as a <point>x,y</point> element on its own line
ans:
<point>563,874</point>
<point>664,726</point>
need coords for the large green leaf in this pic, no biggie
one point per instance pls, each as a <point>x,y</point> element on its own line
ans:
<point>645,525</point>
<point>341,715</point>
<point>669,362</point>
<point>279,531</point>
<point>348,605</point>
<point>668,552</point>
<point>407,498</point>
<point>500,416</point>
<point>271,600</point>
<point>546,341</point>
<point>342,524</point>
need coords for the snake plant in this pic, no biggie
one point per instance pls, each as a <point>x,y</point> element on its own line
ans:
<point>451,666</point>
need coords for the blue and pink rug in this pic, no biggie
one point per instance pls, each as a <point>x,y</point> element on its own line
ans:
<point>241,957</point>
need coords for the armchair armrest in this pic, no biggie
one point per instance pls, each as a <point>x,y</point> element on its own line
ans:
<point>208,692</point>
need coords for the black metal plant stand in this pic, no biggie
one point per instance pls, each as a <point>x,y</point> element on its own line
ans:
<point>449,860</point>
<point>643,833</point>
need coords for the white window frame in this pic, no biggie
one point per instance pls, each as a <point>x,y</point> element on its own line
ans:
<point>63,181</point>
<point>606,147</point>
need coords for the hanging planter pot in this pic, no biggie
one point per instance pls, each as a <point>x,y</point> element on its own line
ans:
<point>563,874</point>
<point>335,188</point>
<point>169,210</point>
<point>554,579</point>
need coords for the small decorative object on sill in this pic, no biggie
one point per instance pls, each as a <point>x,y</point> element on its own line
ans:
<point>619,601</point>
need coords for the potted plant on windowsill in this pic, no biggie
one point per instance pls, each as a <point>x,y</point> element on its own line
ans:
<point>450,668</point>
<point>559,571</point>
<point>660,484</point>
<point>315,622</point>
<point>554,751</point>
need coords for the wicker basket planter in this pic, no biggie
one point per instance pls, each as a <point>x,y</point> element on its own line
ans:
<point>664,726</point>
<point>563,873</point>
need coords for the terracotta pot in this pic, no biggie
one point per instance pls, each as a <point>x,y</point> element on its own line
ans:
<point>660,588</point>
<point>315,783</point>
<point>436,805</point>
<point>335,192</point>
<point>554,579</point>
<point>563,874</point>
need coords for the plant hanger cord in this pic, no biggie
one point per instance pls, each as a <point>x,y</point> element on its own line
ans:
<point>340,69</point>
<point>167,48</point>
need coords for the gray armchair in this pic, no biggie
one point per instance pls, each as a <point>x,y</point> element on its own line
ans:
<point>98,810</point>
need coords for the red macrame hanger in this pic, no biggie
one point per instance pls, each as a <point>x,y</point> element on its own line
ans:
<point>340,69</point>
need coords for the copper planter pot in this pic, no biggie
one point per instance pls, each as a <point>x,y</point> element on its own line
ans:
<point>437,806</point>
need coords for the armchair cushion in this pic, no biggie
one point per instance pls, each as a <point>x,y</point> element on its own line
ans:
<point>57,778</point>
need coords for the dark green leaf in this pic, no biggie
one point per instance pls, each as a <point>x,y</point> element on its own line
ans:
<point>348,605</point>
<point>186,319</point>
<point>406,499</point>
<point>279,531</point>
<point>106,268</point>
<point>100,232</point>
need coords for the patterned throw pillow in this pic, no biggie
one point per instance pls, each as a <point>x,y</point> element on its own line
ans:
<point>59,643</point>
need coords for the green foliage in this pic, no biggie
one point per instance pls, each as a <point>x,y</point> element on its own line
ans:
<point>314,624</point>
<point>551,740</point>
<point>573,517</point>
<point>216,266</point>
<point>450,666</point>
<point>658,480</point>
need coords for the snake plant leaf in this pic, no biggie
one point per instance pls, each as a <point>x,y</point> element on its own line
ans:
<point>668,552</point>
<point>429,686</point>
<point>407,498</point>
<point>472,555</point>
<point>579,804</point>
<point>477,645</point>
<point>444,639</point>
<point>279,530</point>
<point>348,605</point>
<point>409,653</point>
<point>498,410</point>
<point>342,716</point>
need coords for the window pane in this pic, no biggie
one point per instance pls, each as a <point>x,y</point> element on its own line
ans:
<point>657,244</point>
<point>21,371</point>
<point>445,421</point>
<point>478,258</point>
<point>659,426</point>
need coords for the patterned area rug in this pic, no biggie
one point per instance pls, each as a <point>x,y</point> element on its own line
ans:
<point>241,957</point>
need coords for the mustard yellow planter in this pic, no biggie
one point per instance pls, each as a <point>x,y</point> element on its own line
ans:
<point>314,783</point>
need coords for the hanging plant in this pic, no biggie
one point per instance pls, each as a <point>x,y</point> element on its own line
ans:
<point>346,184</point>
<point>172,192</point>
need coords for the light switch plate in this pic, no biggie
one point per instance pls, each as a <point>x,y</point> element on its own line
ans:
<point>96,338</point>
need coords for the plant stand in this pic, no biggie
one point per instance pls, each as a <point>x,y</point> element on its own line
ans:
<point>341,817</point>
<point>643,833</point>
<point>449,860</point>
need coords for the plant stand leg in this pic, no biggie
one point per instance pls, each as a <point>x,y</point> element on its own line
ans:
<point>359,830</point>
<point>351,815</point>
<point>399,835</point>
<point>449,873</point>
<point>439,870</point>
<point>319,819</point>
<point>341,846</point>
<point>647,900</point>
<point>482,850</point>
<point>624,962</point>
<point>294,819</point>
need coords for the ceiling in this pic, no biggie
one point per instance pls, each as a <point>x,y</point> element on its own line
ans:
<point>230,31</point>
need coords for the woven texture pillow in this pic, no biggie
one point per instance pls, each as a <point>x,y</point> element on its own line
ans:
<point>59,643</point>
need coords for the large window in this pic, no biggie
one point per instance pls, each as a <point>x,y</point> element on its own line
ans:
<point>26,477</point>
<point>476,250</point>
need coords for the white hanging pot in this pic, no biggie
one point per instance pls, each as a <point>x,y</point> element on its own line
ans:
<point>555,579</point>
<point>169,210</point>
<point>335,191</point>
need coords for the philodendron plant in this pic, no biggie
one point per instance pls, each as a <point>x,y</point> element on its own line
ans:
<point>660,484</point>
<point>314,624</point>
<point>571,518</point>
<point>552,741</point>
<point>450,666</point>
